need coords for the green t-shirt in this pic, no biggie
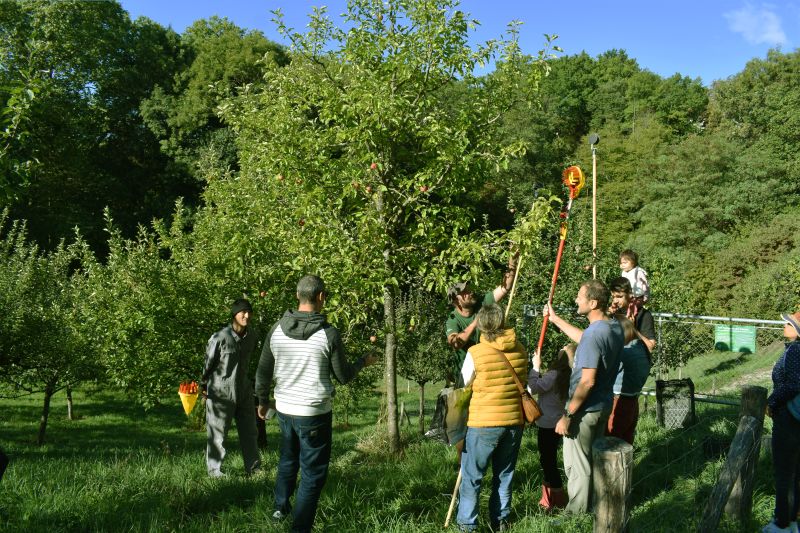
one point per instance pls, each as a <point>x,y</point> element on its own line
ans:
<point>456,323</point>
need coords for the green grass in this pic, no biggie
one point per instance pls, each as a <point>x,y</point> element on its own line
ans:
<point>118,468</point>
<point>724,373</point>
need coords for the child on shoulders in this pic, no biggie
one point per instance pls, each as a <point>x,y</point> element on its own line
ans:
<point>640,287</point>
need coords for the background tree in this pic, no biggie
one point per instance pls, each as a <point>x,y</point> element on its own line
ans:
<point>162,316</point>
<point>46,345</point>
<point>422,354</point>
<point>74,74</point>
<point>218,59</point>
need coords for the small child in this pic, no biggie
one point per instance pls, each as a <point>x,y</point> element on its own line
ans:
<point>640,288</point>
<point>553,390</point>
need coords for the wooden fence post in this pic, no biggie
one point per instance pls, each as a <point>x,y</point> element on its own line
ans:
<point>740,452</point>
<point>612,474</point>
<point>740,503</point>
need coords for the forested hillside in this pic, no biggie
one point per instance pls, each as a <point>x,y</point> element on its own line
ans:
<point>703,182</point>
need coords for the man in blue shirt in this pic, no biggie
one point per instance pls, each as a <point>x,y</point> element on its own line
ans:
<point>591,391</point>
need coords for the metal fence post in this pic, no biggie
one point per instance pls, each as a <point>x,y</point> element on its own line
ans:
<point>660,347</point>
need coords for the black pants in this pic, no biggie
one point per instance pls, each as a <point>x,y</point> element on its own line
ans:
<point>3,463</point>
<point>549,441</point>
<point>786,462</point>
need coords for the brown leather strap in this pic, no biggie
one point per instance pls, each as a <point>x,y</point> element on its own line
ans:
<point>513,372</point>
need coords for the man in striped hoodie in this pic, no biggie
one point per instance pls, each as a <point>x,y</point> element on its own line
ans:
<point>302,354</point>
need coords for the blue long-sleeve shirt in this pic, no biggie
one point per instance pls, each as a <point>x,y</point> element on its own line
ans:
<point>785,377</point>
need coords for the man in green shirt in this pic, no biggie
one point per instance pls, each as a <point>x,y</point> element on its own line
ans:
<point>460,327</point>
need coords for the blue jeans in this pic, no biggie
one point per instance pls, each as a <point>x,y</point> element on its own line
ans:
<point>786,462</point>
<point>305,447</point>
<point>501,446</point>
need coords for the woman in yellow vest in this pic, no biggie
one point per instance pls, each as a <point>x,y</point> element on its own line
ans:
<point>495,423</point>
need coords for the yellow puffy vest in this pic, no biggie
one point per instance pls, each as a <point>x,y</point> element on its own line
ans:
<point>495,396</point>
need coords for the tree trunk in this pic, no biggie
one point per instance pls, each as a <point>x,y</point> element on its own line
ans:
<point>392,426</point>
<point>421,407</point>
<point>48,394</point>
<point>70,412</point>
<point>390,372</point>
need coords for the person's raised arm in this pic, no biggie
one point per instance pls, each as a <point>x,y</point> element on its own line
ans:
<point>573,332</point>
<point>503,289</point>
<point>343,370</point>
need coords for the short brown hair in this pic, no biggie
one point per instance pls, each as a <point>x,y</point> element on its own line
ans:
<point>627,326</point>
<point>597,290</point>
<point>309,288</point>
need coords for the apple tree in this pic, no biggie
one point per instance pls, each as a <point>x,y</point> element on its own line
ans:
<point>45,345</point>
<point>153,315</point>
<point>357,156</point>
<point>422,354</point>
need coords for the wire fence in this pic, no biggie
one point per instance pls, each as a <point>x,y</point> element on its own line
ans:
<point>677,471</point>
<point>683,338</point>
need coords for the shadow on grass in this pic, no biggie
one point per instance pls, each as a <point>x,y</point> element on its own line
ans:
<point>728,364</point>
<point>133,510</point>
<point>108,425</point>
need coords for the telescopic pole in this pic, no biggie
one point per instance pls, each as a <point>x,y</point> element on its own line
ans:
<point>574,179</point>
<point>593,140</point>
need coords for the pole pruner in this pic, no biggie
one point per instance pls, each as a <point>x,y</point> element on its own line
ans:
<point>574,180</point>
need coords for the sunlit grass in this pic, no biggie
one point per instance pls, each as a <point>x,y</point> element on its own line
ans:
<point>118,468</point>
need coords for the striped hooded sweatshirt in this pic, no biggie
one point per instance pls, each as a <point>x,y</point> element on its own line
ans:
<point>301,354</point>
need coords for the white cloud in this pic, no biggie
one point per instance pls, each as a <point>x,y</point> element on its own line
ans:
<point>758,25</point>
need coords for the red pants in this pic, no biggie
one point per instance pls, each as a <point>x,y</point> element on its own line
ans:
<point>623,419</point>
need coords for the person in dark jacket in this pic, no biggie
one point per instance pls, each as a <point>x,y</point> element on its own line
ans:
<point>784,408</point>
<point>228,391</point>
<point>302,354</point>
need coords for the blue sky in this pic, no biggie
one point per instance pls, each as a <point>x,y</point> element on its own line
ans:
<point>707,39</point>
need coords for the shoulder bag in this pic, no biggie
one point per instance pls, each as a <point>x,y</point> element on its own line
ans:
<point>530,409</point>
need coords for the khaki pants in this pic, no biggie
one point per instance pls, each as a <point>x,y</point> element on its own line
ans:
<point>583,429</point>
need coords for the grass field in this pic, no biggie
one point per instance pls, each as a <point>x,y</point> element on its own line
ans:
<point>724,373</point>
<point>118,468</point>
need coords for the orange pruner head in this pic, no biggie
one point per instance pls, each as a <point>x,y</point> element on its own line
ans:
<point>574,179</point>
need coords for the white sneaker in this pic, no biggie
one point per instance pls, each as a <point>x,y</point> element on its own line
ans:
<point>772,527</point>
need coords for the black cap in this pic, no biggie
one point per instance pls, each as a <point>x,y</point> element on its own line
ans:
<point>240,305</point>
